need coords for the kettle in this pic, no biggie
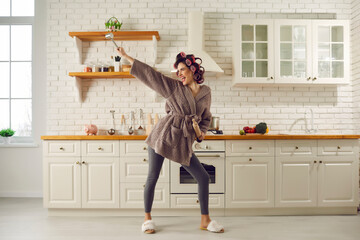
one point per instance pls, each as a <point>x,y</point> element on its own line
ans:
<point>214,123</point>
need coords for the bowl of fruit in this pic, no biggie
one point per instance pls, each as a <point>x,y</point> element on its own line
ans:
<point>260,128</point>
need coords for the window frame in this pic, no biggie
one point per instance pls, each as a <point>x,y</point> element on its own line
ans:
<point>22,141</point>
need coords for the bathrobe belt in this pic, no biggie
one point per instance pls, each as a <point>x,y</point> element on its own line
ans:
<point>186,126</point>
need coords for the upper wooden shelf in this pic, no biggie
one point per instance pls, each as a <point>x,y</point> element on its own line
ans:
<point>89,75</point>
<point>120,35</point>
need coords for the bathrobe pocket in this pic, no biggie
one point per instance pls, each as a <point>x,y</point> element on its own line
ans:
<point>173,136</point>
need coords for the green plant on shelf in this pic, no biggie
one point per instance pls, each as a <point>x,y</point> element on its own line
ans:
<point>113,24</point>
<point>7,132</point>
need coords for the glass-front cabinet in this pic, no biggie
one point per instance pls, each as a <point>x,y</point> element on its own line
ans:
<point>287,51</point>
<point>293,51</point>
<point>331,51</point>
<point>253,50</point>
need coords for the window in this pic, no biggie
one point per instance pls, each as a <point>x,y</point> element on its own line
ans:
<point>16,47</point>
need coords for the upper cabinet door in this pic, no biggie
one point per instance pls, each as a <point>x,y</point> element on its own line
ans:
<point>293,51</point>
<point>331,51</point>
<point>253,51</point>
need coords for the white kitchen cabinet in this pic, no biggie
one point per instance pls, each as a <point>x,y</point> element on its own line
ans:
<point>295,181</point>
<point>251,148</point>
<point>331,51</point>
<point>100,182</point>
<point>293,58</point>
<point>295,148</point>
<point>132,195</point>
<point>338,181</point>
<point>135,169</point>
<point>304,52</point>
<point>249,182</point>
<point>345,147</point>
<point>134,166</point>
<point>253,51</point>
<point>62,182</point>
<point>192,201</point>
<point>75,180</point>
<point>323,181</point>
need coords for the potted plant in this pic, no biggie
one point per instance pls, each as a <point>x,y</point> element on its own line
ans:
<point>113,24</point>
<point>6,134</point>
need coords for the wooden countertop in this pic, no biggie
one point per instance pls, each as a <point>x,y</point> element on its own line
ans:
<point>208,137</point>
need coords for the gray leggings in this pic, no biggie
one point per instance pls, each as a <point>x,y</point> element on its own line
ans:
<point>196,170</point>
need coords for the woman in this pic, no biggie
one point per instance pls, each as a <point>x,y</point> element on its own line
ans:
<point>173,136</point>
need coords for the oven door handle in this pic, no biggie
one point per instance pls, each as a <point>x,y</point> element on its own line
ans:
<point>214,155</point>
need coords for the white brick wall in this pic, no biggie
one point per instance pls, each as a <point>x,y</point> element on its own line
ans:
<point>355,59</point>
<point>281,107</point>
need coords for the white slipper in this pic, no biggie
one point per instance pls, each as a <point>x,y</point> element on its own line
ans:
<point>148,226</point>
<point>214,227</point>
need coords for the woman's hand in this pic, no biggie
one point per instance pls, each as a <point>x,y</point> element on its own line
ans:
<point>121,51</point>
<point>123,54</point>
<point>202,136</point>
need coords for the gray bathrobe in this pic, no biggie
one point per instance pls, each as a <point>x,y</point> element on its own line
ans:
<point>173,136</point>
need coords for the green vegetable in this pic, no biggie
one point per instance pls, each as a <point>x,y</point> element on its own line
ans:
<point>261,128</point>
<point>7,132</point>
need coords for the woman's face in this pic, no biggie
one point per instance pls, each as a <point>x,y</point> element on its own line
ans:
<point>185,74</point>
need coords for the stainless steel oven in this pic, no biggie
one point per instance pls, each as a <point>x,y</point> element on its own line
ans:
<point>212,156</point>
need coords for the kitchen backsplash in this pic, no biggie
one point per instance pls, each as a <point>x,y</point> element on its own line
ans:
<point>282,108</point>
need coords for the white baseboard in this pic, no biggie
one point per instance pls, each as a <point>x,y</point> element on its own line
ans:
<point>22,194</point>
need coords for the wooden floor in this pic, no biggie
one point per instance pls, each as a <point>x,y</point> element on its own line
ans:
<point>25,219</point>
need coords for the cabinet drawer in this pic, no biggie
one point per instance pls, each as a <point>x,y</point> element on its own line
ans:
<point>132,195</point>
<point>61,148</point>
<point>250,148</point>
<point>133,148</point>
<point>338,147</point>
<point>192,201</point>
<point>209,146</point>
<point>135,169</point>
<point>295,147</point>
<point>100,148</point>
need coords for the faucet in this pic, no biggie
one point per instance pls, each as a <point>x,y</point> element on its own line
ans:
<point>312,129</point>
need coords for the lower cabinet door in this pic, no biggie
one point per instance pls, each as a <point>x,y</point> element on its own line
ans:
<point>132,195</point>
<point>249,182</point>
<point>338,181</point>
<point>62,182</point>
<point>192,201</point>
<point>100,182</point>
<point>296,182</point>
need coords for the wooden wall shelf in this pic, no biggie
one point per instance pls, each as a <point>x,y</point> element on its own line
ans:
<point>79,37</point>
<point>120,35</point>
<point>89,75</point>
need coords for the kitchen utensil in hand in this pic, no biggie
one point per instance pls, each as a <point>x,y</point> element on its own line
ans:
<point>197,130</point>
<point>111,36</point>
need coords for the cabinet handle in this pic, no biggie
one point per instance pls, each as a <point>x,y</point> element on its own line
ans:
<point>271,78</point>
<point>309,78</point>
<point>100,148</point>
<point>206,147</point>
<point>144,186</point>
<point>320,161</point>
<point>197,201</point>
<point>83,162</point>
<point>338,147</point>
<point>250,148</point>
<point>314,161</point>
<point>61,148</point>
<point>145,148</point>
<point>314,78</point>
<point>250,159</point>
<point>77,162</point>
<point>144,160</point>
<point>296,147</point>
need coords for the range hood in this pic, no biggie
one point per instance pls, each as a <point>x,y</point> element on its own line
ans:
<point>196,43</point>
